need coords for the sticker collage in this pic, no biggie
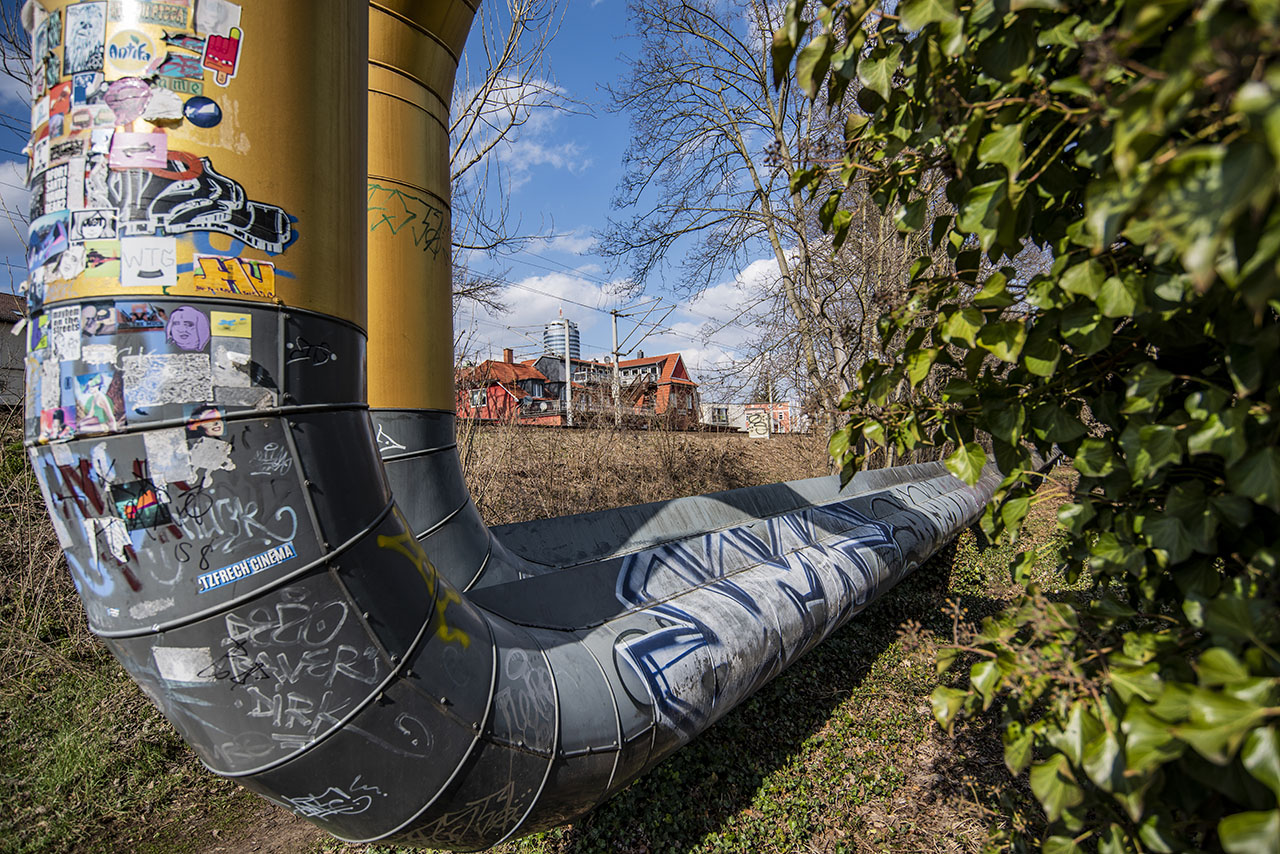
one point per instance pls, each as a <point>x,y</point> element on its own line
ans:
<point>110,202</point>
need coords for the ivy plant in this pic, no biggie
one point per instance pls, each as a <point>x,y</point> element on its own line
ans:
<point>1139,142</point>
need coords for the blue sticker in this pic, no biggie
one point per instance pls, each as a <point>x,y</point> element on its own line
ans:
<point>202,112</point>
<point>245,568</point>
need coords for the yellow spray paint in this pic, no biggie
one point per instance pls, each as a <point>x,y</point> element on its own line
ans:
<point>444,594</point>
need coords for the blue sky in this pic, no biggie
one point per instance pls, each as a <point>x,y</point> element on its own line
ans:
<point>579,161</point>
<point>566,167</point>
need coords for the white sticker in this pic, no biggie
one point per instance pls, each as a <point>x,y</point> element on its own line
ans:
<point>111,531</point>
<point>64,328</point>
<point>50,382</point>
<point>149,261</point>
<point>62,455</point>
<point>231,358</point>
<point>157,379</point>
<point>143,610</point>
<point>216,16</point>
<point>98,354</point>
<point>257,398</point>
<point>163,105</point>
<point>103,466</point>
<point>167,455</point>
<point>210,455</point>
<point>75,182</point>
<point>188,664</point>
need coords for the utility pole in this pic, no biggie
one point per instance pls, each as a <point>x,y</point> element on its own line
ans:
<point>617,381</point>
<point>568,378</point>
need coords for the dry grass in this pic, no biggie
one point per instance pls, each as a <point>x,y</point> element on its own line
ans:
<point>839,754</point>
<point>520,473</point>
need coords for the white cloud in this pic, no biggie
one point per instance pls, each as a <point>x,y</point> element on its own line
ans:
<point>15,199</point>
<point>575,242</point>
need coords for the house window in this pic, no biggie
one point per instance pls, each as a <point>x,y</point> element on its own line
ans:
<point>720,415</point>
<point>479,398</point>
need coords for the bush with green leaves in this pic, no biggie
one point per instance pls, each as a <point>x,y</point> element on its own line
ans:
<point>1139,141</point>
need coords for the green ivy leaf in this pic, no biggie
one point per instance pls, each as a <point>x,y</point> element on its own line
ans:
<point>918,364</point>
<point>1117,298</point>
<point>967,462</point>
<point>1018,742</point>
<point>962,325</point>
<point>1250,832</point>
<point>1261,757</point>
<point>1040,355</point>
<point>980,213</point>
<point>1003,147</point>
<point>1217,666</point>
<point>813,62</point>
<point>1084,279</point>
<point>1257,477</point>
<point>917,14</point>
<point>1054,787</point>
<point>1149,741</point>
<point>1003,339</point>
<point>876,70</point>
<point>1081,728</point>
<point>946,703</point>
<point>1143,388</point>
<point>1150,448</point>
<point>1095,458</point>
<point>910,217</point>
<point>1217,724</point>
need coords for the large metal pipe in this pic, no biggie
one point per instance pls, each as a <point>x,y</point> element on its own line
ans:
<point>300,582</point>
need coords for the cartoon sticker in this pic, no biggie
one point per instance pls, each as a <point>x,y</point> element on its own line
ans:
<point>140,504</point>
<point>87,88</point>
<point>99,318</point>
<point>204,422</point>
<point>102,259</point>
<point>64,327</point>
<point>137,316</point>
<point>149,261</point>
<point>231,325</point>
<point>139,150</point>
<point>47,237</point>
<point>96,409</point>
<point>86,25</point>
<point>187,329</point>
<point>93,224</point>
<point>57,424</point>
<point>222,55</point>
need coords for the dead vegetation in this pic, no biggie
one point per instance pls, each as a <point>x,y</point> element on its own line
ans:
<point>839,754</point>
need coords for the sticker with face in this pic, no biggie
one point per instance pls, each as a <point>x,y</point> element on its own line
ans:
<point>86,23</point>
<point>188,328</point>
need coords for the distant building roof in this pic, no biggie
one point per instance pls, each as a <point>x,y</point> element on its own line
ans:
<point>501,372</point>
<point>12,308</point>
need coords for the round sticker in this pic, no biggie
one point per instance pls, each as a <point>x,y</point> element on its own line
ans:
<point>202,112</point>
<point>127,98</point>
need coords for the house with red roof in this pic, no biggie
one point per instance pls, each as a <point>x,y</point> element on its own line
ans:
<point>533,392</point>
<point>501,391</point>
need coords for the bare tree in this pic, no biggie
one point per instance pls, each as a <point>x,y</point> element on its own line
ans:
<point>505,85</point>
<point>707,186</point>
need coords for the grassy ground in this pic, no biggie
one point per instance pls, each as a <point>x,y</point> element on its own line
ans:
<point>837,754</point>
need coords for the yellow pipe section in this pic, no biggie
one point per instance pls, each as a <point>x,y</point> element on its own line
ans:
<point>414,47</point>
<point>291,135</point>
